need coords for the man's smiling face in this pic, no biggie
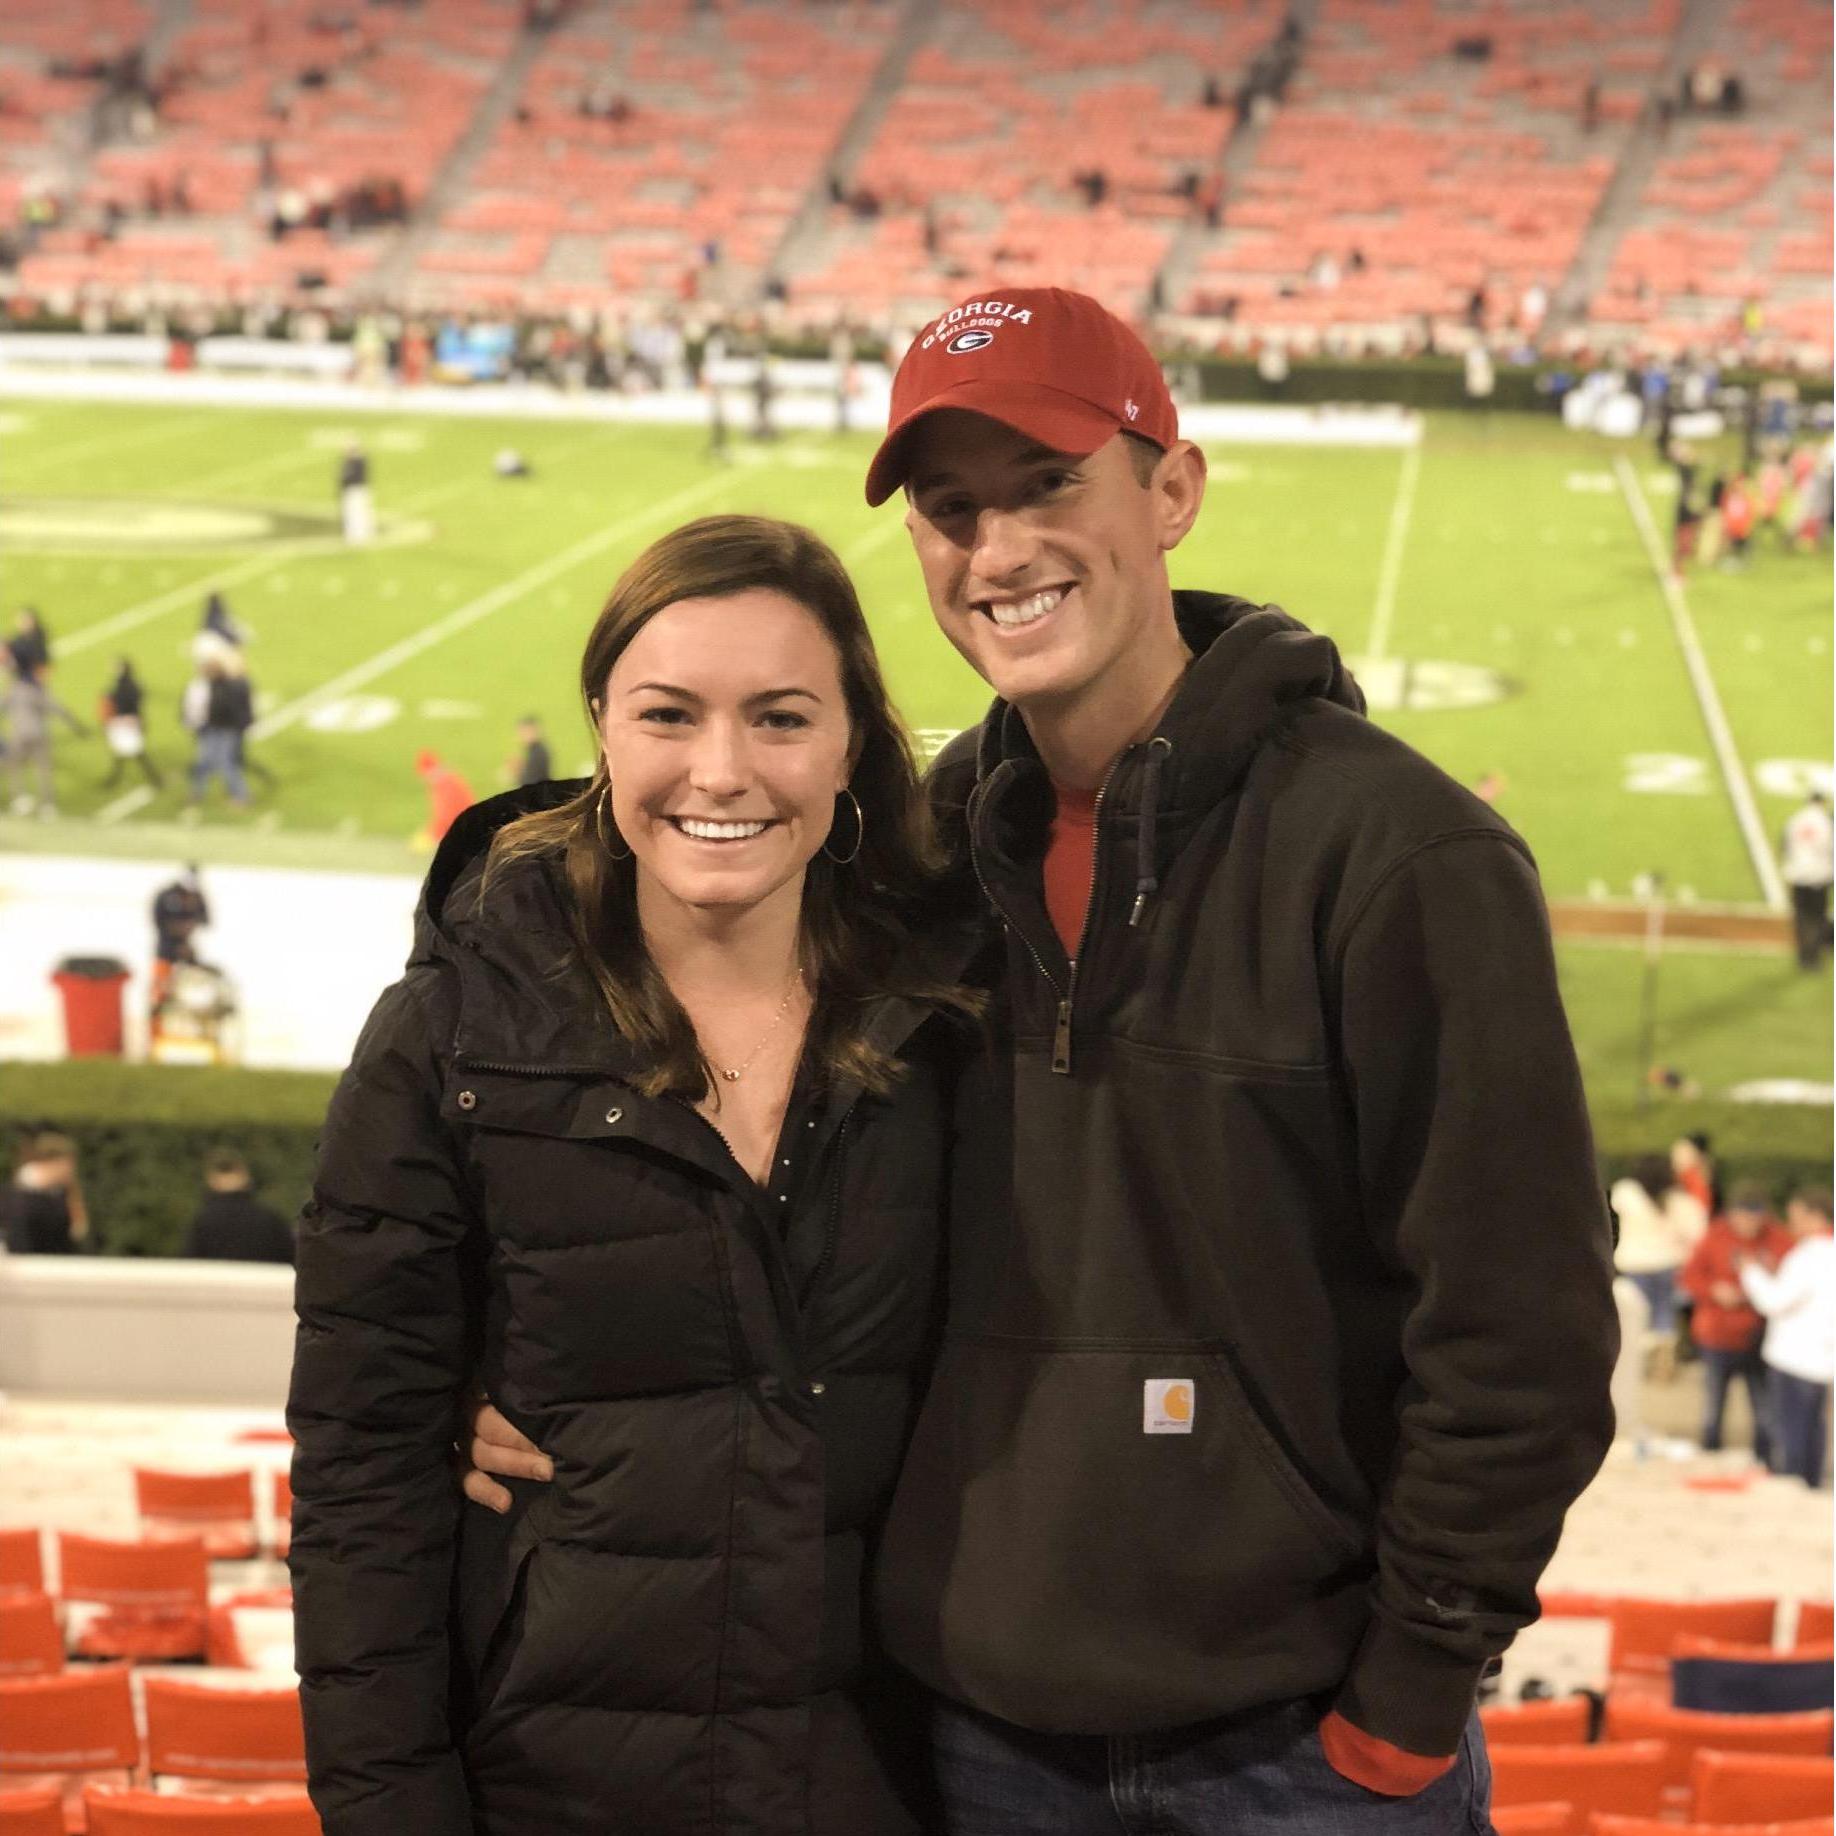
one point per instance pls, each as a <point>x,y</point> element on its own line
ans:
<point>1045,569</point>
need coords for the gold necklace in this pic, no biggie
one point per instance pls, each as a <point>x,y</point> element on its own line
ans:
<point>732,1073</point>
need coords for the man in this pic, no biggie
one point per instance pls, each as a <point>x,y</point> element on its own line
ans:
<point>41,1209</point>
<point>1280,1321</point>
<point>180,911</point>
<point>1806,859</point>
<point>356,514</point>
<point>232,1225</point>
<point>531,763</point>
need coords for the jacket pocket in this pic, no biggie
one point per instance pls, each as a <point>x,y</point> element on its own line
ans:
<point>489,1586</point>
<point>1109,1540</point>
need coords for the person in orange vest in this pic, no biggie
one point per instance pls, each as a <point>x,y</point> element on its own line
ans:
<point>448,795</point>
<point>1727,1328</point>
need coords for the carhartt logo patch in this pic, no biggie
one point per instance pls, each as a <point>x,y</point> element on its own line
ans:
<point>1168,1405</point>
<point>965,342</point>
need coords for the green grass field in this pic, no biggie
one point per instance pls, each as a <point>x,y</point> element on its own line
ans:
<point>1499,569</point>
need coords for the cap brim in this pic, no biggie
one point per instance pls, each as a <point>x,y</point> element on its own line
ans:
<point>1065,423</point>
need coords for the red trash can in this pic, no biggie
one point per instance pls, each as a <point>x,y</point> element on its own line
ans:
<point>91,988</point>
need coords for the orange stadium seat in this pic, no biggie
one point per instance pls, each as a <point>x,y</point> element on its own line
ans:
<point>280,1506</point>
<point>151,1813</point>
<point>1647,1826</point>
<point>219,1507</point>
<point>22,1561</point>
<point>1816,1623</point>
<point>1537,1820</point>
<point>1644,1631</point>
<point>31,1640</point>
<point>1539,1724</point>
<point>1686,1732</point>
<point>151,1596</point>
<point>1627,1777</point>
<point>197,1731</point>
<point>66,1730</point>
<point>39,1812</point>
<point>1760,1787</point>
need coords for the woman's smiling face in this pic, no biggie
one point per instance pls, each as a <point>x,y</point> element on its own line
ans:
<point>727,739</point>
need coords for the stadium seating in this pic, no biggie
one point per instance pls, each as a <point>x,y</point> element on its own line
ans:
<point>1647,1826</point>
<point>68,1730</point>
<point>1538,1724</point>
<point>200,1732</point>
<point>151,1597</point>
<point>32,1813</point>
<point>1622,1777</point>
<point>1644,1632</point>
<point>280,1508</point>
<point>22,1565</point>
<point>1816,1623</point>
<point>1686,1732</point>
<point>1537,1820</point>
<point>1760,1788</point>
<point>31,1640</point>
<point>219,1507</point>
<point>147,1813</point>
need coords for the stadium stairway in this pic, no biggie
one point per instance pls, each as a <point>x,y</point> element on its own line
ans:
<point>449,184</point>
<point>1697,26</point>
<point>1177,271</point>
<point>807,232</point>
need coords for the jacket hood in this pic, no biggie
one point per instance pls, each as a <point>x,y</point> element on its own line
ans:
<point>1249,664</point>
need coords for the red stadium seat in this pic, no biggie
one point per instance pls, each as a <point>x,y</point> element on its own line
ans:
<point>1686,1732</point>
<point>152,1597</point>
<point>1617,1778</point>
<point>39,1812</point>
<point>281,1508</point>
<point>1646,1826</point>
<point>22,1562</point>
<point>1816,1623</point>
<point>1567,1722</point>
<point>219,1507</point>
<point>233,1736</point>
<point>68,1731</point>
<point>1645,1630</point>
<point>149,1813</point>
<point>31,1640</point>
<point>1760,1787</point>
<point>1537,1820</point>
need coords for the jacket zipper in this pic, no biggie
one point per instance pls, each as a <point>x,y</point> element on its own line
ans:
<point>1067,994</point>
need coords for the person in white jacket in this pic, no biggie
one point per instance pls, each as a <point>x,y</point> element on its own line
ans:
<point>1799,1302</point>
<point>1659,1223</point>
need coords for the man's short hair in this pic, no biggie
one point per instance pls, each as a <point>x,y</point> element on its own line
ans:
<point>1750,1195</point>
<point>1815,1198</point>
<point>1143,456</point>
<point>47,1144</point>
<point>225,1163</point>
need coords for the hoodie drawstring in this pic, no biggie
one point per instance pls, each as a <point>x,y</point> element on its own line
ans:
<point>1146,883</point>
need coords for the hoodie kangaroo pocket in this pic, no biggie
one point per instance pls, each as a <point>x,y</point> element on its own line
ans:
<point>1124,1519</point>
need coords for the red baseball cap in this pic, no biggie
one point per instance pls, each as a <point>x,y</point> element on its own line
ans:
<point>1057,366</point>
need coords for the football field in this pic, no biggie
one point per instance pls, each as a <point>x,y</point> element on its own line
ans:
<point>1491,586</point>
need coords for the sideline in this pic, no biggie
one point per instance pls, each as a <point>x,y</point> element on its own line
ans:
<point>1708,697</point>
<point>1389,571</point>
<point>519,586</point>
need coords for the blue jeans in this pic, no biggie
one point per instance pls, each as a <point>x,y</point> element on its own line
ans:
<point>1263,1773</point>
<point>1797,1414</point>
<point>1719,1369</point>
<point>1660,1291</point>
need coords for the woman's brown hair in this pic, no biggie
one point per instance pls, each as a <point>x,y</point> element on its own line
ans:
<point>860,915</point>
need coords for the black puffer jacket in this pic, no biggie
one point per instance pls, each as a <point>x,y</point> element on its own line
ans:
<point>668,1640</point>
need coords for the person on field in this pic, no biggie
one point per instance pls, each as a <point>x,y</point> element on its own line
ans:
<point>1245,1448</point>
<point>531,763</point>
<point>229,712</point>
<point>356,511</point>
<point>449,796</point>
<point>27,710</point>
<point>1798,1300</point>
<point>125,728</point>
<point>1725,1325</point>
<point>1807,855</point>
<point>654,1132</point>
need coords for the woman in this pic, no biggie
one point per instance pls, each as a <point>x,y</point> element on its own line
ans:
<point>125,727</point>
<point>1659,1223</point>
<point>648,1144</point>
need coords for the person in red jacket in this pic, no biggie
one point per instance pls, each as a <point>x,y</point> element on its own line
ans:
<point>448,795</point>
<point>1726,1328</point>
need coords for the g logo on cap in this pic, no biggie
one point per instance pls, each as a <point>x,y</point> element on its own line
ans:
<point>965,342</point>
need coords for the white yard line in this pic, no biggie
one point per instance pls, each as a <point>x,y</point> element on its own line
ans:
<point>1389,570</point>
<point>1708,697</point>
<point>244,470</point>
<point>136,799</point>
<point>147,610</point>
<point>462,618</point>
<point>109,443</point>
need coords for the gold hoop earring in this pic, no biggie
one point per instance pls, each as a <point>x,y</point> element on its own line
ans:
<point>602,821</point>
<point>860,829</point>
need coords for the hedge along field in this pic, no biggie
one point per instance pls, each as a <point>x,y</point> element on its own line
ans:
<point>142,1132</point>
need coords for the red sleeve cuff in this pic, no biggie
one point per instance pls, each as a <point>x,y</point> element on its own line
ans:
<point>1374,1763</point>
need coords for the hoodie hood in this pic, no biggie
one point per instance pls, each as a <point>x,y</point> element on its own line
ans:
<point>1251,667</point>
